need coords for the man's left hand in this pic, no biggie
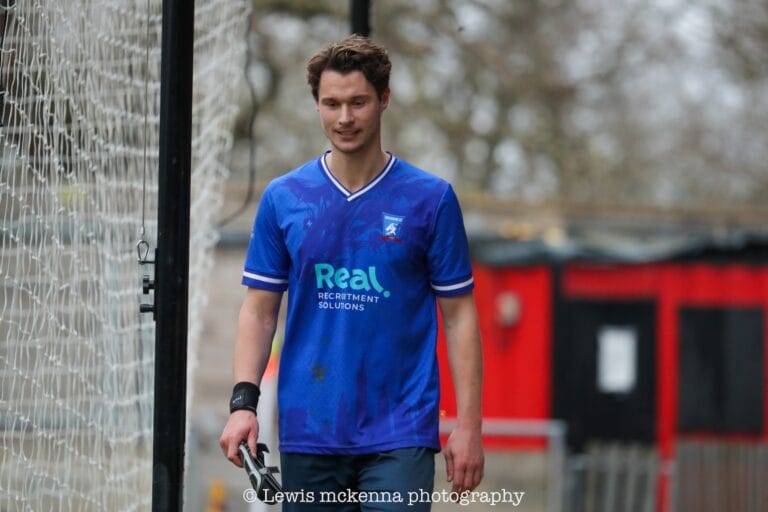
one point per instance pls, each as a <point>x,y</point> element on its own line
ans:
<point>464,459</point>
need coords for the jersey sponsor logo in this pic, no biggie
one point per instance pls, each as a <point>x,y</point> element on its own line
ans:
<point>347,289</point>
<point>329,277</point>
<point>392,227</point>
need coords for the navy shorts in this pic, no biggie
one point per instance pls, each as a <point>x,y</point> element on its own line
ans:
<point>394,480</point>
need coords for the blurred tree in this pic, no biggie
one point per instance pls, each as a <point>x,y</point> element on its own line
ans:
<point>585,101</point>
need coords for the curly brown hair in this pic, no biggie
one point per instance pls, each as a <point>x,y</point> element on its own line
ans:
<point>355,53</point>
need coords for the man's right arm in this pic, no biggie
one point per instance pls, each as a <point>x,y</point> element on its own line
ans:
<point>253,344</point>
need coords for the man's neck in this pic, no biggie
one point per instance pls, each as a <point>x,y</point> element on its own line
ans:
<point>356,170</point>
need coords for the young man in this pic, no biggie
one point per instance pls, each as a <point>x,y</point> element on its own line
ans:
<point>363,242</point>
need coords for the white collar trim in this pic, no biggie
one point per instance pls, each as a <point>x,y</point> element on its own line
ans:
<point>351,196</point>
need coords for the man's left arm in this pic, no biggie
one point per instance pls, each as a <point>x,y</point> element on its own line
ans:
<point>463,452</point>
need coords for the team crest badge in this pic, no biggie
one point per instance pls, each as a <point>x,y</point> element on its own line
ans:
<point>392,227</point>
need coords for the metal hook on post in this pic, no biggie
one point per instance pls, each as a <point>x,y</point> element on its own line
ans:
<point>147,284</point>
<point>142,250</point>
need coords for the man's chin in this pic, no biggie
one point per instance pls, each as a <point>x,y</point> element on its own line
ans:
<point>348,149</point>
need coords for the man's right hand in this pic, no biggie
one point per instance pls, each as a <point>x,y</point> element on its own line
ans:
<point>241,426</point>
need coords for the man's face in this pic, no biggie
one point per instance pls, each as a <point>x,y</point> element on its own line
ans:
<point>350,110</point>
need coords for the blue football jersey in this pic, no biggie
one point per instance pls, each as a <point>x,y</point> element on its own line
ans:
<point>358,370</point>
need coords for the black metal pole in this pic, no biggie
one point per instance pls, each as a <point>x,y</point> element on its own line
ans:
<point>6,4</point>
<point>359,17</point>
<point>172,257</point>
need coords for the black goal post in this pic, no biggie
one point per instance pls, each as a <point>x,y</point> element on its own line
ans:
<point>172,257</point>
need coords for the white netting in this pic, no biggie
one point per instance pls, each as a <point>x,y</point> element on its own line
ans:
<point>76,357</point>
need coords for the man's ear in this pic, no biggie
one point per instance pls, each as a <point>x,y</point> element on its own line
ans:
<point>384,100</point>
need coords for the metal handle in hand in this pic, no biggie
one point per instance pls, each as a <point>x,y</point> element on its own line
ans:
<point>261,476</point>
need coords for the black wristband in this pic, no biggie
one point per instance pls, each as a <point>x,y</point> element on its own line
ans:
<point>245,395</point>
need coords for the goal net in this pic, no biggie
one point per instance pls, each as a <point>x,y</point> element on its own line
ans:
<point>79,123</point>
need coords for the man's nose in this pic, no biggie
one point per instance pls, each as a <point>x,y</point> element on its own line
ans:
<point>346,115</point>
